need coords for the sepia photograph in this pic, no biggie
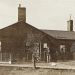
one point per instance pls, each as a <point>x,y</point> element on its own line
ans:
<point>37,37</point>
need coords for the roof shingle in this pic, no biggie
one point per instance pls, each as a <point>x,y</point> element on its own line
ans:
<point>61,34</point>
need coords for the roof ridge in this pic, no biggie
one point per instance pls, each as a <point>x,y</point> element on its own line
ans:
<point>56,30</point>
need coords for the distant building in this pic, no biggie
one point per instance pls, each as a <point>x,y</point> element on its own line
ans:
<point>20,41</point>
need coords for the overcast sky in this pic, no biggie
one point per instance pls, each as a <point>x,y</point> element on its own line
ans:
<point>43,14</point>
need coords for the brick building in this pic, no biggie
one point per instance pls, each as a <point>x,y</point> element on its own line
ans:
<point>20,41</point>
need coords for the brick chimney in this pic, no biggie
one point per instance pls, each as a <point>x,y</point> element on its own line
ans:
<point>21,13</point>
<point>70,25</point>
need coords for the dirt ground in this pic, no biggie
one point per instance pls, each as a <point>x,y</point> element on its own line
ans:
<point>31,71</point>
<point>18,69</point>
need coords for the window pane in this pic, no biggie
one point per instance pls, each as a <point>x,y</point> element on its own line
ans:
<point>45,45</point>
<point>62,48</point>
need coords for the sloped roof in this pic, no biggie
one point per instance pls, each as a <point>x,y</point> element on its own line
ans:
<point>70,35</point>
<point>16,27</point>
<point>19,28</point>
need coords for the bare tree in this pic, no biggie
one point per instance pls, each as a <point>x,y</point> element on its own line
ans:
<point>33,40</point>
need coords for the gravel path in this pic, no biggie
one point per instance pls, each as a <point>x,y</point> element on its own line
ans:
<point>53,65</point>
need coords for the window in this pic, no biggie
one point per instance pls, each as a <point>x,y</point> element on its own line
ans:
<point>62,48</point>
<point>36,47</point>
<point>45,45</point>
